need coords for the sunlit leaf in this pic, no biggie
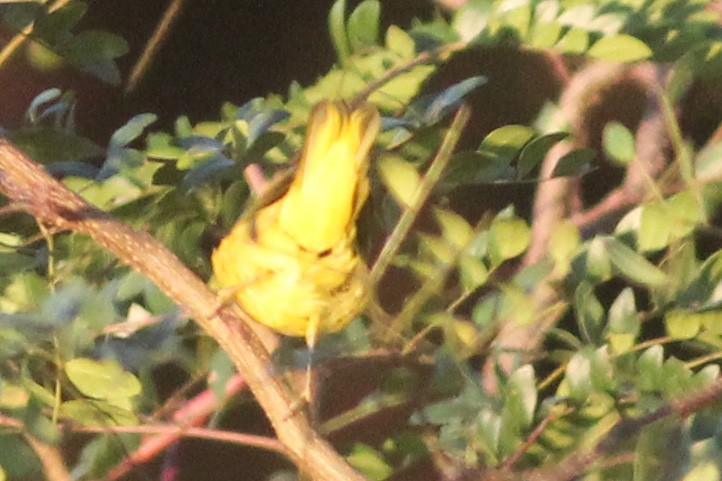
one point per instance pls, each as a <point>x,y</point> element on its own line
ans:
<point>578,375</point>
<point>337,29</point>
<point>454,228</point>
<point>369,462</point>
<point>101,379</point>
<point>400,42</point>
<point>504,143</point>
<point>682,325</point>
<point>363,25</point>
<point>575,41</point>
<point>521,395</point>
<point>545,35</point>
<point>620,48</point>
<point>633,265</point>
<point>400,177</point>
<point>508,238</point>
<point>618,142</point>
<point>97,413</point>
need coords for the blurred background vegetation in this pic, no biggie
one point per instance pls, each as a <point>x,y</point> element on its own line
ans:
<point>559,274</point>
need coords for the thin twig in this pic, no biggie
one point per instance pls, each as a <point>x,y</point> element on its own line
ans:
<point>401,230</point>
<point>534,437</point>
<point>19,40</point>
<point>578,462</point>
<point>50,458</point>
<point>164,431</point>
<point>191,414</point>
<point>428,56</point>
<point>156,41</point>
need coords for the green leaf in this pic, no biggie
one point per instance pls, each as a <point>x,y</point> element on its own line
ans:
<point>363,25</point>
<point>485,310</point>
<point>44,97</point>
<point>579,15</point>
<point>649,367</point>
<point>589,313</point>
<point>49,145</point>
<point>131,130</point>
<point>676,378</point>
<point>20,15</point>
<point>14,262</point>
<point>624,322</point>
<point>261,122</point>
<point>37,424</point>
<point>474,168</point>
<point>400,177</point>
<point>471,19</point>
<point>443,103</point>
<point>508,237</point>
<point>620,48</point>
<point>213,168</point>
<point>504,143</point>
<point>400,42</point>
<point>655,226</point>
<point>575,41</point>
<point>597,264</point>
<point>575,162</point>
<point>473,272</point>
<point>603,378</point>
<point>337,30</point>
<point>682,324</point>
<point>402,88</point>
<point>55,26</point>
<point>712,321</point>
<point>103,379</point>
<point>686,213</point>
<point>619,142</point>
<point>160,145</point>
<point>545,35</point>
<point>623,315</point>
<point>437,248</point>
<point>454,229</point>
<point>662,451</point>
<point>578,375</point>
<point>563,244</point>
<point>520,395</point>
<point>369,462</point>
<point>517,19</point>
<point>517,305</point>
<point>633,265</point>
<point>93,45</point>
<point>534,152</point>
<point>97,413</point>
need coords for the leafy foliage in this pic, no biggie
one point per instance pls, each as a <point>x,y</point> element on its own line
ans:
<point>92,51</point>
<point>637,304</point>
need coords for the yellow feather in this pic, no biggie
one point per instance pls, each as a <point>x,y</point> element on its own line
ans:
<point>293,265</point>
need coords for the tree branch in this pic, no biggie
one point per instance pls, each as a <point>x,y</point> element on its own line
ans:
<point>31,188</point>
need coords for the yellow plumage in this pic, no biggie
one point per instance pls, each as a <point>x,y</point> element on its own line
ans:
<point>293,265</point>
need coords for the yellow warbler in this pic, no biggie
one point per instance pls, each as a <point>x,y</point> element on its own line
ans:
<point>293,264</point>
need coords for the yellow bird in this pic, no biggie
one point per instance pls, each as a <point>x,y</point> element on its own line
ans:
<point>293,265</point>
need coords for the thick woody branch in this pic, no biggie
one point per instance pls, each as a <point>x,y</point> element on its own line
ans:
<point>29,187</point>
